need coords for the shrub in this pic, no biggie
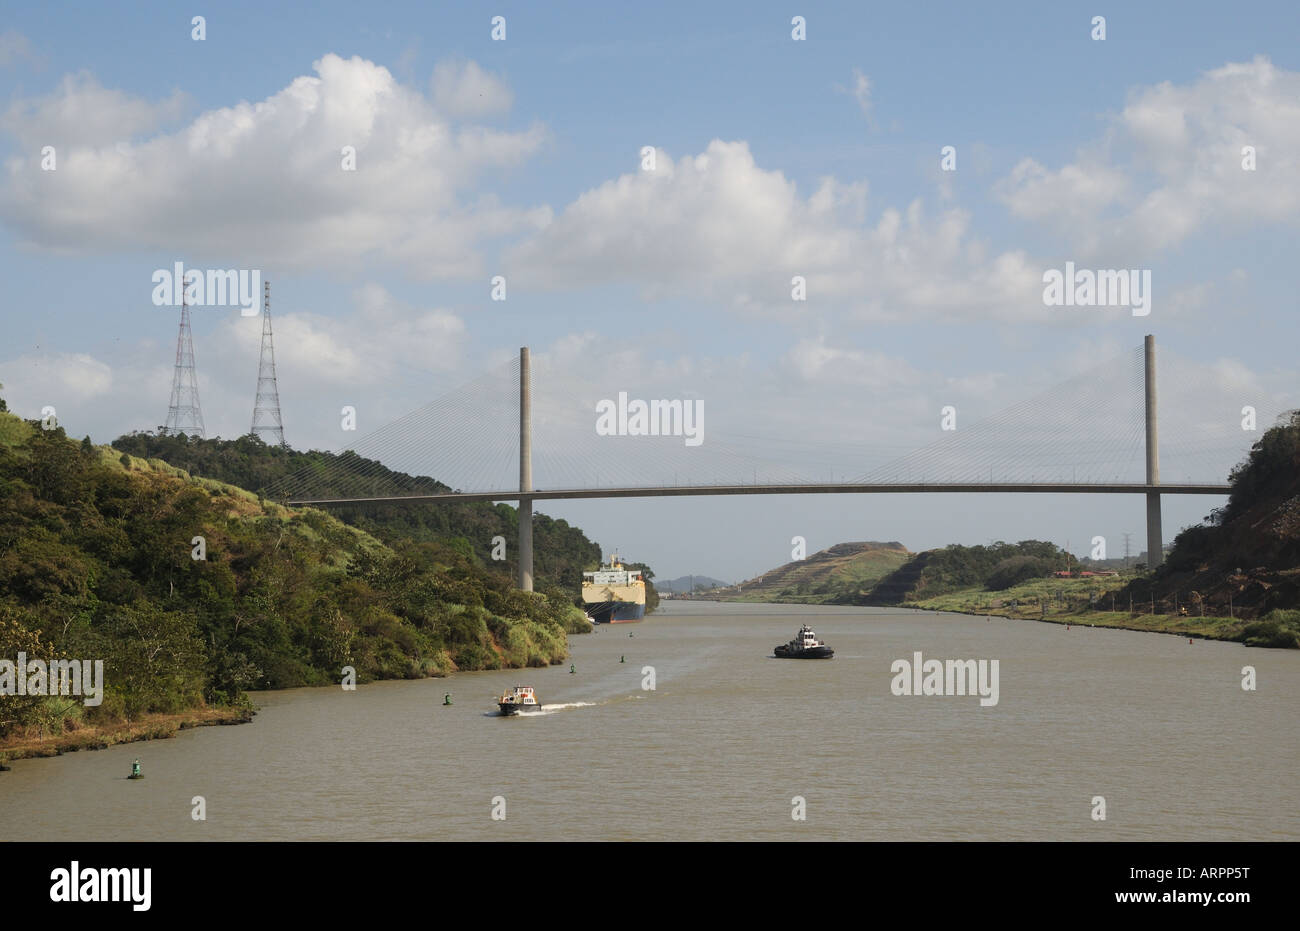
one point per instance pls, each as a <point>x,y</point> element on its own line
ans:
<point>1269,634</point>
<point>1279,629</point>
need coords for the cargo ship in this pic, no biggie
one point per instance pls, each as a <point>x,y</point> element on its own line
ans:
<point>613,594</point>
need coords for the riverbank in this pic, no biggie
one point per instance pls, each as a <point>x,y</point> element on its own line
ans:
<point>1203,628</point>
<point>101,737</point>
<point>1071,602</point>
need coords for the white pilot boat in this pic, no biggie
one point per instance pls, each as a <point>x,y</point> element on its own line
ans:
<point>519,700</point>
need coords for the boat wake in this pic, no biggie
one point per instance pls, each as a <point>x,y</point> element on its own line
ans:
<point>569,706</point>
<point>565,706</point>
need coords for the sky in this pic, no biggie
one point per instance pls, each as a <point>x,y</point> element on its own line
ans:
<point>128,143</point>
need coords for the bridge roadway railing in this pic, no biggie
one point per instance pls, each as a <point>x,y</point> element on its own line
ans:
<point>538,494</point>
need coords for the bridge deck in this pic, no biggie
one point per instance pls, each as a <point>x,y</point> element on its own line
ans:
<point>1069,488</point>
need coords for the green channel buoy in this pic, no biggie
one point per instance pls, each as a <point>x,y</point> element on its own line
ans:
<point>571,669</point>
<point>621,659</point>
<point>446,699</point>
<point>135,771</point>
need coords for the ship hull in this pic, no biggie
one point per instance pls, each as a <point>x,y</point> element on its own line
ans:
<point>615,612</point>
<point>784,652</point>
<point>509,708</point>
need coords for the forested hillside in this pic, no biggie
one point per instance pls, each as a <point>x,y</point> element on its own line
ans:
<point>955,567</point>
<point>561,553</point>
<point>1244,559</point>
<point>98,560</point>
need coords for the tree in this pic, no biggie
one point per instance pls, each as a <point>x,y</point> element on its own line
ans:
<point>21,711</point>
<point>1017,569</point>
<point>153,657</point>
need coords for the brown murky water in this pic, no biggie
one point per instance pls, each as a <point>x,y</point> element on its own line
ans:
<point>1160,728</point>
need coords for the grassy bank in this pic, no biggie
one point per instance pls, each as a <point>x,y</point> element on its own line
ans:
<point>103,736</point>
<point>1082,601</point>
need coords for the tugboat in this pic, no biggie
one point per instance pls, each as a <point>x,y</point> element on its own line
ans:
<point>519,700</point>
<point>805,645</point>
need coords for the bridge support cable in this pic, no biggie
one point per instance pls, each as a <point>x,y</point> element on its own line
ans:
<point>1087,429</point>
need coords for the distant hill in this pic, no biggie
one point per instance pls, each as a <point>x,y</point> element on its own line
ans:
<point>840,574</point>
<point>956,567</point>
<point>889,574</point>
<point>1245,557</point>
<point>683,583</point>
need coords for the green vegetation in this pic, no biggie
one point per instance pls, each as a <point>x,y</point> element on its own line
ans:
<point>1064,594</point>
<point>1244,560</point>
<point>1103,602</point>
<point>1091,602</point>
<point>886,573</point>
<point>1237,576</point>
<point>1275,629</point>
<point>560,552</point>
<point>97,551</point>
<point>838,575</point>
<point>958,568</point>
<point>954,568</point>
<point>1016,569</point>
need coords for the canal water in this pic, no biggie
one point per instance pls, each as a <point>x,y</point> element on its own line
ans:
<point>731,743</point>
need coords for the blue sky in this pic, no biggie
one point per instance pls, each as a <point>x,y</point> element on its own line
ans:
<point>522,157</point>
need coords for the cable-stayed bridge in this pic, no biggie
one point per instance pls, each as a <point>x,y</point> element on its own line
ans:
<point>1096,433</point>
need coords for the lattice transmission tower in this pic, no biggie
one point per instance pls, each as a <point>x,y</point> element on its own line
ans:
<point>266,409</point>
<point>183,414</point>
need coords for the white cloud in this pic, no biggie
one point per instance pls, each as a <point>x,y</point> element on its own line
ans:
<point>1063,197</point>
<point>82,113</point>
<point>262,183</point>
<point>1233,374</point>
<point>66,378</point>
<point>383,355</point>
<point>1188,141</point>
<point>861,92</point>
<point>465,89</point>
<point>15,47</point>
<point>814,361</point>
<point>89,395</point>
<point>356,350</point>
<point>1188,299</point>
<point>717,227</point>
